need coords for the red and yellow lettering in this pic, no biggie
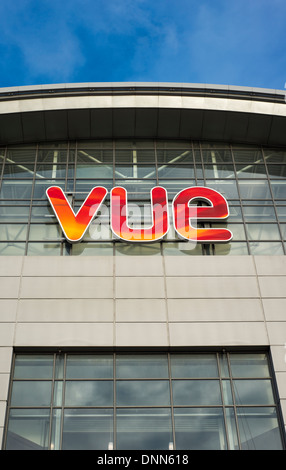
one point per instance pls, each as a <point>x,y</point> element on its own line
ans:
<point>184,214</point>
<point>74,225</point>
<point>119,216</point>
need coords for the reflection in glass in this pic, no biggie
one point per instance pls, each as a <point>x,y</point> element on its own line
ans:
<point>193,365</point>
<point>259,213</point>
<point>266,248</point>
<point>17,213</point>
<point>278,189</point>
<point>251,171</point>
<point>143,393</point>
<point>249,365</point>
<point>89,393</point>
<point>263,232</point>
<point>233,248</point>
<point>217,171</point>
<point>199,429</point>
<point>231,429</point>
<point>227,188</point>
<point>56,430</point>
<point>144,429</point>
<point>138,249</point>
<point>250,392</point>
<point>89,366</point>
<point>31,393</point>
<point>175,171</point>
<point>16,190</point>
<point>196,392</point>
<point>88,429</point>
<point>141,366</point>
<point>247,155</point>
<point>12,249</point>
<point>259,429</point>
<point>94,171</point>
<point>33,367</point>
<point>49,231</point>
<point>28,430</point>
<point>254,189</point>
<point>17,232</point>
<point>175,156</point>
<point>44,249</point>
<point>89,248</point>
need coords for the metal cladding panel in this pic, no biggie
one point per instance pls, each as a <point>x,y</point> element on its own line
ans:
<point>11,130</point>
<point>277,134</point>
<point>146,123</point>
<point>33,126</point>
<point>191,124</point>
<point>101,122</point>
<point>56,123</point>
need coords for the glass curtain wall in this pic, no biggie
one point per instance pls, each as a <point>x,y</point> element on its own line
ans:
<point>172,401</point>
<point>252,179</point>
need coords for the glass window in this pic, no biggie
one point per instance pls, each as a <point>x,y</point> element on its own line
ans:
<point>166,400</point>
<point>258,429</point>
<point>88,429</point>
<point>89,393</point>
<point>144,429</point>
<point>28,429</point>
<point>143,393</point>
<point>252,179</point>
<point>196,392</point>
<point>89,367</point>
<point>192,365</point>
<point>263,231</point>
<point>200,429</point>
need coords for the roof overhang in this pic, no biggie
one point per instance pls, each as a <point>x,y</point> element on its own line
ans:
<point>142,111</point>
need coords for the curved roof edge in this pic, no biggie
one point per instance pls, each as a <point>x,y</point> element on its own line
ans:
<point>142,110</point>
<point>196,89</point>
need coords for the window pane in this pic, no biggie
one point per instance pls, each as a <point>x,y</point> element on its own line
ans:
<point>144,429</point>
<point>89,367</point>
<point>278,189</point>
<point>259,429</point>
<point>142,366</point>
<point>253,392</point>
<point>262,231</point>
<point>196,392</point>
<point>89,393</point>
<point>143,393</point>
<point>33,367</point>
<point>28,430</point>
<point>16,190</point>
<point>251,171</point>
<point>259,213</point>
<point>253,189</point>
<point>31,393</point>
<point>87,429</point>
<point>193,366</point>
<point>266,248</point>
<point>249,365</point>
<point>199,429</point>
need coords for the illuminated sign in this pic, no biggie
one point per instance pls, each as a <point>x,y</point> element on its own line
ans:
<point>186,214</point>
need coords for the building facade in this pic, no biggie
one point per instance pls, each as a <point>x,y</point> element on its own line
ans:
<point>163,343</point>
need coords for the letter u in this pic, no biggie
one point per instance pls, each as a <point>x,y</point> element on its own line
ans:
<point>119,216</point>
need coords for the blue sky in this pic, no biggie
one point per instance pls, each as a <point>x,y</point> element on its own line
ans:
<point>224,42</point>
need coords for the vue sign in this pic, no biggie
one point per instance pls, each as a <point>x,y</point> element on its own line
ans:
<point>185,214</point>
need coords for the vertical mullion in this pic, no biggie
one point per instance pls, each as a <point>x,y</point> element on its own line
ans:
<point>31,200</point>
<point>234,402</point>
<point>114,402</point>
<point>171,400</point>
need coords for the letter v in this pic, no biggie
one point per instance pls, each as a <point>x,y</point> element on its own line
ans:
<point>74,225</point>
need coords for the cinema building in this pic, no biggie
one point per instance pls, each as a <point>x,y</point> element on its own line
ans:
<point>121,328</point>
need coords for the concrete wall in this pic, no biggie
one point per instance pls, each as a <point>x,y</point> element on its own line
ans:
<point>142,301</point>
